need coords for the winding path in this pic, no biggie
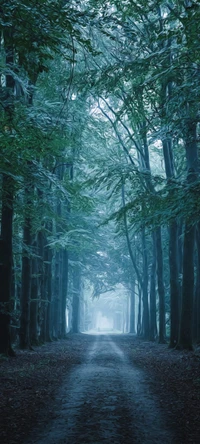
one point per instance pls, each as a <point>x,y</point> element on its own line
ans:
<point>106,400</point>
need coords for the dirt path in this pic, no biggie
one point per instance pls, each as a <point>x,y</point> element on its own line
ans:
<point>106,400</point>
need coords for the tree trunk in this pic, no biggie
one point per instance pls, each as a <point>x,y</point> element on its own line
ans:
<point>44,284</point>
<point>153,323</point>
<point>64,292</point>
<point>174,284</point>
<point>49,295</point>
<point>8,189</point>
<point>24,333</point>
<point>139,324</point>
<point>173,253</point>
<point>161,288</point>
<point>145,288</point>
<point>132,307</point>
<point>76,299</point>
<point>185,334</point>
<point>6,264</point>
<point>34,302</point>
<point>56,298</point>
<point>197,290</point>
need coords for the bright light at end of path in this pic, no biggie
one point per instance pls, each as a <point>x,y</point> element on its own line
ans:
<point>104,326</point>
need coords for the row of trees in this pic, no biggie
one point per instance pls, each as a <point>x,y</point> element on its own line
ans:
<point>162,105</point>
<point>99,165</point>
<point>38,147</point>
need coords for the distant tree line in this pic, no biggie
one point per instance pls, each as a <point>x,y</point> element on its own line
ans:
<point>99,167</point>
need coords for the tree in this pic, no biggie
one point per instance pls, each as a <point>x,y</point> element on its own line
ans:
<point>101,185</point>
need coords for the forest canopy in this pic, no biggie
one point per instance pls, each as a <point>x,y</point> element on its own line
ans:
<point>99,169</point>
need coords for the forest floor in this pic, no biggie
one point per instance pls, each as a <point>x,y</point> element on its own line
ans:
<point>100,389</point>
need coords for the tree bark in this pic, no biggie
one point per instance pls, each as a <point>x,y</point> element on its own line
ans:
<point>139,324</point>
<point>76,299</point>
<point>49,295</point>
<point>6,264</point>
<point>8,190</point>
<point>185,333</point>
<point>64,292</point>
<point>174,284</point>
<point>132,307</point>
<point>197,291</point>
<point>161,288</point>
<point>34,300</point>
<point>173,254</point>
<point>43,253</point>
<point>153,323</point>
<point>24,332</point>
<point>55,302</point>
<point>145,288</point>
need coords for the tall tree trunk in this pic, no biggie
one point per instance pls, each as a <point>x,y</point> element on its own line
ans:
<point>173,252</point>
<point>60,284</point>
<point>153,323</point>
<point>139,323</point>
<point>197,290</point>
<point>161,288</point>
<point>34,299</point>
<point>43,252</point>
<point>76,299</point>
<point>165,96</point>
<point>132,306</point>
<point>174,284</point>
<point>158,238</point>
<point>8,190</point>
<point>185,333</point>
<point>145,287</point>
<point>56,296</point>
<point>24,333</point>
<point>64,292</point>
<point>6,264</point>
<point>49,295</point>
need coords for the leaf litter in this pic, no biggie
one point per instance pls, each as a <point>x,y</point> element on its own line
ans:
<point>30,382</point>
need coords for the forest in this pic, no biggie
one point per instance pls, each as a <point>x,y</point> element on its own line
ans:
<point>100,221</point>
<point>99,168</point>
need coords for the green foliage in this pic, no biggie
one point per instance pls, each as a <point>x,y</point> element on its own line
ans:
<point>98,87</point>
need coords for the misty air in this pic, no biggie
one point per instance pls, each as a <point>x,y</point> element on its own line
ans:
<point>99,222</point>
